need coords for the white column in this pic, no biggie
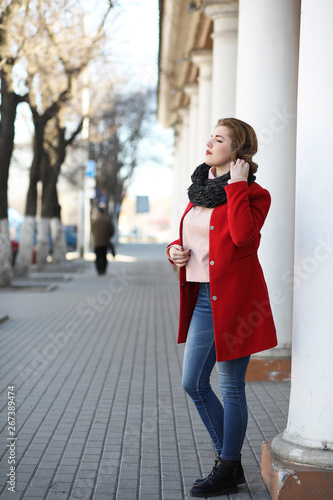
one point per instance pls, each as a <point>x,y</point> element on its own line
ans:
<point>192,90</point>
<point>176,187</point>
<point>203,59</point>
<point>225,17</point>
<point>308,437</point>
<point>182,166</point>
<point>267,98</point>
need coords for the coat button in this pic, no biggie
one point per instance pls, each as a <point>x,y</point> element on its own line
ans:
<point>214,297</point>
<point>183,284</point>
<point>211,228</point>
<point>212,262</point>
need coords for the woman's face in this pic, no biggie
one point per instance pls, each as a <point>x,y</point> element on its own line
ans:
<point>218,153</point>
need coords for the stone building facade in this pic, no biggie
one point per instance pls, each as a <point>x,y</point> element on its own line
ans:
<point>269,63</point>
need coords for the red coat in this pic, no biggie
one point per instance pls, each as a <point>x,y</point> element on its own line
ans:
<point>242,316</point>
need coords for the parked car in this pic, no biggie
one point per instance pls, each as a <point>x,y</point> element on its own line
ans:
<point>15,222</point>
<point>71,238</point>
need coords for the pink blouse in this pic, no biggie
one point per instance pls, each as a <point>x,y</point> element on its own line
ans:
<point>196,237</point>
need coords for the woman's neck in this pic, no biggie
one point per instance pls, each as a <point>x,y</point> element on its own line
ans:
<point>222,170</point>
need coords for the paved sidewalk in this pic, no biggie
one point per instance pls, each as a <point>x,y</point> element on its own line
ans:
<point>99,408</point>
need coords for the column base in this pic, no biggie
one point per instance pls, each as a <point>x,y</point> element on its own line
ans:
<point>287,480</point>
<point>268,369</point>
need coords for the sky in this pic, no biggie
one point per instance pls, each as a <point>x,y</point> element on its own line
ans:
<point>136,39</point>
<point>136,46</point>
<point>134,49</point>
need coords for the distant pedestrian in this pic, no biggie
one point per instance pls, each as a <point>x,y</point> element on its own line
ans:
<point>225,314</point>
<point>102,230</point>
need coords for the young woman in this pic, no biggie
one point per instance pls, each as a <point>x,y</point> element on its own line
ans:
<point>225,314</point>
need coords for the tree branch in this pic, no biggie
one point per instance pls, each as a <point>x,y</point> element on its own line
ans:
<point>74,134</point>
<point>23,38</point>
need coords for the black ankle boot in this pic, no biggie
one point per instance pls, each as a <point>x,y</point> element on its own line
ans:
<point>239,474</point>
<point>221,481</point>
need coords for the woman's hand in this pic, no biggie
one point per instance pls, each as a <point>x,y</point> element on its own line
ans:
<point>179,255</point>
<point>239,169</point>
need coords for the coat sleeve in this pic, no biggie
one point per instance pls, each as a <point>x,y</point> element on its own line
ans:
<point>176,242</point>
<point>179,240</point>
<point>247,210</point>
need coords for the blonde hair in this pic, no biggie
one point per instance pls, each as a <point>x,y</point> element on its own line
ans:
<point>244,142</point>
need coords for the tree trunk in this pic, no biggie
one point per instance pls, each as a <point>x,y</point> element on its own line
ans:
<point>9,102</point>
<point>25,253</point>
<point>27,237</point>
<point>5,254</point>
<point>50,204</point>
<point>43,242</point>
<point>56,228</point>
<point>55,146</point>
<point>50,211</point>
<point>58,241</point>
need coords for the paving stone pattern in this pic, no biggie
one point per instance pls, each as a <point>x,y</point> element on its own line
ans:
<point>99,408</point>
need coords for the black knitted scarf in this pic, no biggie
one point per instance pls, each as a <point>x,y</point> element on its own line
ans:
<point>209,193</point>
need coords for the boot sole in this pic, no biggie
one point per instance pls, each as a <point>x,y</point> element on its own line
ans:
<point>225,491</point>
<point>240,480</point>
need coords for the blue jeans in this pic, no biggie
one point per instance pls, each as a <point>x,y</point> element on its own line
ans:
<point>226,424</point>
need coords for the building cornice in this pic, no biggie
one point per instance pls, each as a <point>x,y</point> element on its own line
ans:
<point>181,31</point>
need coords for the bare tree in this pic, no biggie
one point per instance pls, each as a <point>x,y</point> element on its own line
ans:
<point>115,136</point>
<point>54,77</point>
<point>11,44</point>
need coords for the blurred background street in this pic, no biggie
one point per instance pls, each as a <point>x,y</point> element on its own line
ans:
<point>100,410</point>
